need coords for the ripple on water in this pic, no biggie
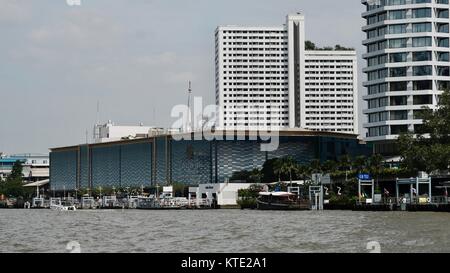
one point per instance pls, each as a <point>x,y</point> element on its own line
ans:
<point>222,231</point>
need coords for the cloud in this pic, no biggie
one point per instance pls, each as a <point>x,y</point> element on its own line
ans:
<point>13,12</point>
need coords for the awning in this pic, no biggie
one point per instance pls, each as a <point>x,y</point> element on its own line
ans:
<point>38,183</point>
<point>276,193</point>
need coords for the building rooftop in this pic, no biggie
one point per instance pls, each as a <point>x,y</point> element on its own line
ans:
<point>241,133</point>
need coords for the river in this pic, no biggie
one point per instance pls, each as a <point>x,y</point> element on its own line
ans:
<point>222,231</point>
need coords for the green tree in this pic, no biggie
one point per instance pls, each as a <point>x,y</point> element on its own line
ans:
<point>360,163</point>
<point>16,172</point>
<point>310,45</point>
<point>429,148</point>
<point>289,165</point>
<point>278,168</point>
<point>376,166</point>
<point>315,166</point>
<point>329,166</point>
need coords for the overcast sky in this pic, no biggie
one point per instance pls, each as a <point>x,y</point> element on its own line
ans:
<point>134,56</point>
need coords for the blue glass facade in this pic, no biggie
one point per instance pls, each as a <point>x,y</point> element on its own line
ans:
<point>162,160</point>
<point>63,169</point>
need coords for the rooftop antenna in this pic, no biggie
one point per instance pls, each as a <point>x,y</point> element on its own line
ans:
<point>188,125</point>
<point>96,133</point>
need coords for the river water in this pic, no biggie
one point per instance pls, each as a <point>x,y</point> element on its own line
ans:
<point>222,231</point>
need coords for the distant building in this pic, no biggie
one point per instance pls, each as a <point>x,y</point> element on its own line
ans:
<point>110,132</point>
<point>164,159</point>
<point>407,65</point>
<point>35,166</point>
<point>266,78</point>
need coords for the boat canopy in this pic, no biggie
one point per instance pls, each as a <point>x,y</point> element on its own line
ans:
<point>276,193</point>
<point>38,183</point>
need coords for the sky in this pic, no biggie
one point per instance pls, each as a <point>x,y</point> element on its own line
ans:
<point>134,57</point>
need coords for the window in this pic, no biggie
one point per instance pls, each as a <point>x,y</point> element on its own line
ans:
<point>373,89</point>
<point>384,130</point>
<point>399,86</point>
<point>373,132</point>
<point>382,59</point>
<point>383,87</point>
<point>420,1</point>
<point>422,100</point>
<point>421,41</point>
<point>382,31</point>
<point>398,100</point>
<point>418,114</point>
<point>422,85</point>
<point>372,47</point>
<point>397,14</point>
<point>421,13</point>
<point>443,56</point>
<point>422,56</point>
<point>372,34</point>
<point>398,57</point>
<point>372,61</point>
<point>397,43</point>
<point>443,28</point>
<point>398,72</point>
<point>422,27</point>
<point>442,42</point>
<point>399,115</point>
<point>443,71</point>
<point>377,117</point>
<point>396,2</point>
<point>426,70</point>
<point>398,129</point>
<point>397,29</point>
<point>443,85</point>
<point>442,13</point>
<point>382,73</point>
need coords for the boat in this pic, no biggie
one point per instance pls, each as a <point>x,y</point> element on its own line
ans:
<point>281,201</point>
<point>151,203</point>
<point>63,208</point>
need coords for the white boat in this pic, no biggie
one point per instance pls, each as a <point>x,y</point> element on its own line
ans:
<point>63,208</point>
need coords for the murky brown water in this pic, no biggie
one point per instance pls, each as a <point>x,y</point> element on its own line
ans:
<point>222,231</point>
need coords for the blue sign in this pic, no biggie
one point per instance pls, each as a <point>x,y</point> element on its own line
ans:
<point>277,188</point>
<point>364,176</point>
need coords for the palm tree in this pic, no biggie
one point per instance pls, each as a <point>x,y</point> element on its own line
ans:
<point>289,165</point>
<point>376,165</point>
<point>329,166</point>
<point>278,168</point>
<point>345,162</point>
<point>303,171</point>
<point>360,163</point>
<point>316,166</point>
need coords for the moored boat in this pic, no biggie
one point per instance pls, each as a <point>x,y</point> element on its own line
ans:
<point>281,201</point>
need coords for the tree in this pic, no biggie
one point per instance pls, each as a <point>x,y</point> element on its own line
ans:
<point>278,168</point>
<point>310,45</point>
<point>429,148</point>
<point>13,186</point>
<point>376,166</point>
<point>360,163</point>
<point>345,163</point>
<point>16,172</point>
<point>315,166</point>
<point>329,166</point>
<point>288,166</point>
<point>303,172</point>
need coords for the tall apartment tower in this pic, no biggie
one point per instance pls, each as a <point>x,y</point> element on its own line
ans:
<point>266,79</point>
<point>407,65</point>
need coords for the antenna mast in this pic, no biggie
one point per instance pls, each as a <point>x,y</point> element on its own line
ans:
<point>188,125</point>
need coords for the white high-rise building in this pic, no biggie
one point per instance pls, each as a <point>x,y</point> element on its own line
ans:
<point>266,78</point>
<point>407,65</point>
